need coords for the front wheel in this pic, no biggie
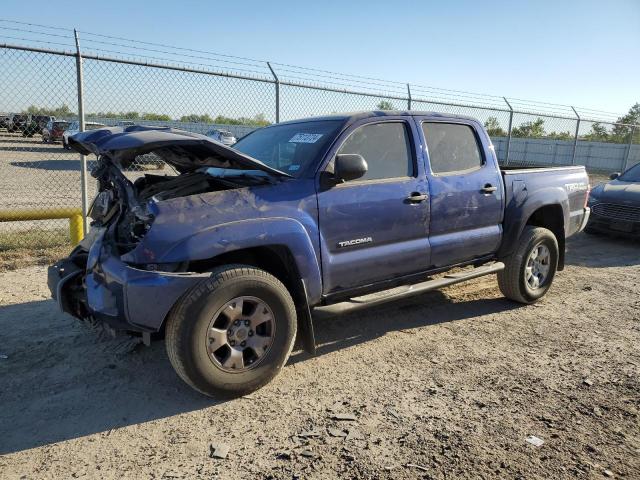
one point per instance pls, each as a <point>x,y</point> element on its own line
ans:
<point>530,270</point>
<point>232,333</point>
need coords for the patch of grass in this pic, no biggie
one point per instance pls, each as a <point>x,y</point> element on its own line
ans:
<point>32,247</point>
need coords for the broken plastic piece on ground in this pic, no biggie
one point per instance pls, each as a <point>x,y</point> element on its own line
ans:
<point>535,441</point>
<point>348,417</point>
<point>336,432</point>
<point>218,450</point>
<point>419,467</point>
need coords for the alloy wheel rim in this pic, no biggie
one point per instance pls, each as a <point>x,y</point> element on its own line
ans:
<point>240,334</point>
<point>538,265</point>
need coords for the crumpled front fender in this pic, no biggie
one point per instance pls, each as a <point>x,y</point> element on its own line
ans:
<point>242,234</point>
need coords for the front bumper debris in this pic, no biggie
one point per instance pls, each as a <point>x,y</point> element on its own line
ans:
<point>99,286</point>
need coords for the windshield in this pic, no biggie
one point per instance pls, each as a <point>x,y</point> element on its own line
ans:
<point>290,147</point>
<point>631,175</point>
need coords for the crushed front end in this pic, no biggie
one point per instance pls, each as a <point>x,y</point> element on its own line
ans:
<point>99,280</point>
<point>94,283</point>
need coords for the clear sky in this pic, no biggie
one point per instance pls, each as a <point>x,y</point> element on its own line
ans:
<point>585,53</point>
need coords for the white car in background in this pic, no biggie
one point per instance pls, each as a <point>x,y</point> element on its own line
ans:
<point>74,128</point>
<point>223,136</point>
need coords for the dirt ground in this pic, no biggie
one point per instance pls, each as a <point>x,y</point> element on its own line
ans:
<point>447,385</point>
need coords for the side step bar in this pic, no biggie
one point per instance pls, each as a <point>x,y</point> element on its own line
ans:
<point>406,291</point>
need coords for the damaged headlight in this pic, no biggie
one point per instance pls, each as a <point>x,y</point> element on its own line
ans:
<point>133,225</point>
<point>103,207</point>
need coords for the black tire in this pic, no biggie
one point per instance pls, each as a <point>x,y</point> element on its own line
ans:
<point>65,145</point>
<point>189,321</point>
<point>512,281</point>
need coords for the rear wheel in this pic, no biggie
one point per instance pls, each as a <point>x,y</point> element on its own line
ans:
<point>233,332</point>
<point>530,270</point>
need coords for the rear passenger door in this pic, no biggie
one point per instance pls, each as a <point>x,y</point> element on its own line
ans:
<point>375,228</point>
<point>466,192</point>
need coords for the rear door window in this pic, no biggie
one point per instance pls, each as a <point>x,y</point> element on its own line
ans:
<point>452,147</point>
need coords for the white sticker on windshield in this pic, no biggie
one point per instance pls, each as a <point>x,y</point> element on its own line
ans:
<point>305,138</point>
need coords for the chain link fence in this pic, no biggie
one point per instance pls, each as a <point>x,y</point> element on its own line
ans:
<point>39,178</point>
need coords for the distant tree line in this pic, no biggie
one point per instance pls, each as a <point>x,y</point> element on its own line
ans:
<point>598,133</point>
<point>65,112</point>
<point>531,129</point>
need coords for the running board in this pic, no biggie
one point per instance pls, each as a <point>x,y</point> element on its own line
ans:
<point>406,291</point>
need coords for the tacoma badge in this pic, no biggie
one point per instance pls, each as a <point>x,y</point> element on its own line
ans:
<point>356,241</point>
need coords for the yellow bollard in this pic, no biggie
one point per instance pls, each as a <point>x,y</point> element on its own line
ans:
<point>76,229</point>
<point>76,223</point>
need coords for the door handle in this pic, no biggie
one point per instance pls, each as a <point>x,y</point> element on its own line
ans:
<point>488,189</point>
<point>417,197</point>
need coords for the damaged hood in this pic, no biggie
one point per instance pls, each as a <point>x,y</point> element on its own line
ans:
<point>183,150</point>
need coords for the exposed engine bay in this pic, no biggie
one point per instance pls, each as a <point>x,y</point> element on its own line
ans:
<point>124,206</point>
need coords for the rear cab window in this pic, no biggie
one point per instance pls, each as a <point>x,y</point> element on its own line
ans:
<point>452,148</point>
<point>386,147</point>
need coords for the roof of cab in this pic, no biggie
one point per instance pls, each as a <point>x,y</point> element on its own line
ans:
<point>351,117</point>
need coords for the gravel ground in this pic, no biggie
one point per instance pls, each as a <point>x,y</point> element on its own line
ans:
<point>447,385</point>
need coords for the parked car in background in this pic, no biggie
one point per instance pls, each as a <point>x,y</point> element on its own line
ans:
<point>53,130</point>
<point>223,136</point>
<point>125,123</point>
<point>18,122</point>
<point>36,124</point>
<point>615,205</point>
<point>4,120</point>
<point>74,127</point>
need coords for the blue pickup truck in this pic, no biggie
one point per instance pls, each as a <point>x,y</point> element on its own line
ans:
<point>228,257</point>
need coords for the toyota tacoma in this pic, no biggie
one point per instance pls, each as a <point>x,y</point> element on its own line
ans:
<point>229,256</point>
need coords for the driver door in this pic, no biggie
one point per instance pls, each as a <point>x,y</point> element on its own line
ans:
<point>375,228</point>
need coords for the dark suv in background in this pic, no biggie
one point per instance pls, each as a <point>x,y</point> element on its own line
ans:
<point>36,124</point>
<point>17,122</point>
<point>4,120</point>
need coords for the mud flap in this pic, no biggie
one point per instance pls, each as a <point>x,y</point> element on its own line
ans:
<point>305,324</point>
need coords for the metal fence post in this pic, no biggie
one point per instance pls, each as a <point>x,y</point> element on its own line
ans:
<point>575,140</point>
<point>83,159</point>
<point>625,163</point>
<point>408,97</point>
<point>506,160</point>
<point>277,92</point>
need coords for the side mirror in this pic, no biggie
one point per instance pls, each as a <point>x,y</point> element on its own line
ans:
<point>349,166</point>
<point>615,175</point>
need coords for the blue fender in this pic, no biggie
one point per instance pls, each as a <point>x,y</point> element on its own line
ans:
<point>241,234</point>
<point>523,205</point>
